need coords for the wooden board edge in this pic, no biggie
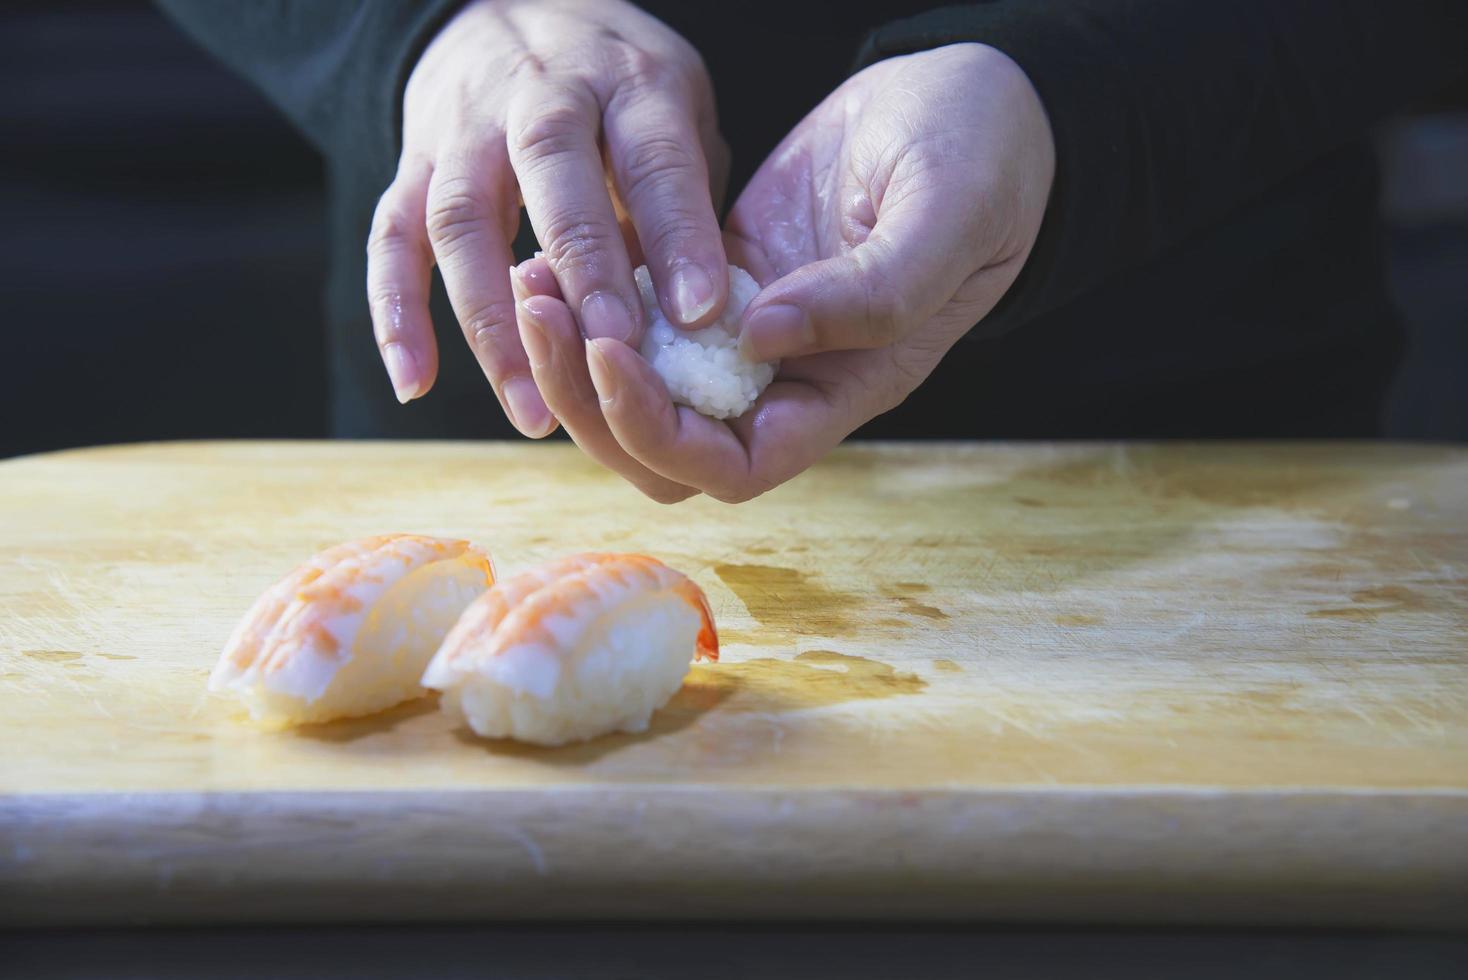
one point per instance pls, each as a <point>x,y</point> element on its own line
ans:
<point>1368,858</point>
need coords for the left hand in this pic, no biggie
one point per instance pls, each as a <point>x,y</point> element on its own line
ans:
<point>888,223</point>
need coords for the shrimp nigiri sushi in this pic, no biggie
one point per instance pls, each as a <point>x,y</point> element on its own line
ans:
<point>349,632</point>
<point>573,649</point>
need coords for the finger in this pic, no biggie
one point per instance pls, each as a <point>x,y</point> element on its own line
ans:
<point>558,360</point>
<point>624,226</point>
<point>399,270</point>
<point>716,152</point>
<point>534,277</point>
<point>661,175</point>
<point>790,427</point>
<point>553,147</point>
<point>891,283</point>
<point>470,228</point>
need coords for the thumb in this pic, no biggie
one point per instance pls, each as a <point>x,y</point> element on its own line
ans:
<point>872,296</point>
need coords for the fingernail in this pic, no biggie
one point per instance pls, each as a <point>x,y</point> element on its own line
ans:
<point>603,378</point>
<point>537,278</point>
<point>693,293</point>
<point>517,284</point>
<point>532,335</point>
<point>776,331</point>
<point>604,315</point>
<point>402,371</point>
<point>527,409</point>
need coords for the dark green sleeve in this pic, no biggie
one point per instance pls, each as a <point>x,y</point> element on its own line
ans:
<point>1168,114</point>
<point>337,68</point>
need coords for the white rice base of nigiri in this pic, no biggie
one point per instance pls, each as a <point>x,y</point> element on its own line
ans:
<point>624,667</point>
<point>388,646</point>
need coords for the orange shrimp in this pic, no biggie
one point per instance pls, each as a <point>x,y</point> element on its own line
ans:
<point>574,648</point>
<point>350,630</point>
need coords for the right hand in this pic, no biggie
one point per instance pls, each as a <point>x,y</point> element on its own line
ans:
<point>516,100</point>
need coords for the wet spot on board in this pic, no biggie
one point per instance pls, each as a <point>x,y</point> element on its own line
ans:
<point>783,598</point>
<point>902,593</point>
<point>1371,603</point>
<point>815,678</point>
<point>754,638</point>
<point>1397,596</point>
<point>1029,502</point>
<point>1078,619</point>
<point>921,609</point>
<point>947,666</point>
<point>759,549</point>
<point>53,656</point>
<point>1345,612</point>
<point>116,656</point>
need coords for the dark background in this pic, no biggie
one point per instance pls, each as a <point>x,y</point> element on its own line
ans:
<point>162,248</point>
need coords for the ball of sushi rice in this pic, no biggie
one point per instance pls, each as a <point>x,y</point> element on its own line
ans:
<point>703,368</point>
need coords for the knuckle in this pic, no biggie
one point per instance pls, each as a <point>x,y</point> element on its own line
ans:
<point>655,177</point>
<point>390,226</point>
<point>556,127</point>
<point>524,63</point>
<point>657,161</point>
<point>456,210</point>
<point>490,325</point>
<point>634,66</point>
<point>574,241</point>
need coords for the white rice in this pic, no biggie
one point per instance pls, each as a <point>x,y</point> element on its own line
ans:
<point>703,368</point>
<point>621,670</point>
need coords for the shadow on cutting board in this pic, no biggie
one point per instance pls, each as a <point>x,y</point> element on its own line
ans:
<point>761,685</point>
<point>764,685</point>
<point>351,729</point>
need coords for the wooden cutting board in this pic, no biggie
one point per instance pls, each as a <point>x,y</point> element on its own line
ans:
<point>1085,683</point>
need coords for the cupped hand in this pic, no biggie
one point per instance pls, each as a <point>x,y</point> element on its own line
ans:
<point>601,120</point>
<point>889,222</point>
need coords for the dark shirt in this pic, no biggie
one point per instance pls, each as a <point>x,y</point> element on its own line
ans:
<point>1210,263</point>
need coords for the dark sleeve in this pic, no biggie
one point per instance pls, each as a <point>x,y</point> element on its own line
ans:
<point>1167,114</point>
<point>337,68</point>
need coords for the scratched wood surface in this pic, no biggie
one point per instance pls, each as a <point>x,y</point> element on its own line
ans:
<point>1109,683</point>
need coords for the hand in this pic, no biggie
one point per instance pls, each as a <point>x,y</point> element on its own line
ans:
<point>888,223</point>
<point>515,100</point>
